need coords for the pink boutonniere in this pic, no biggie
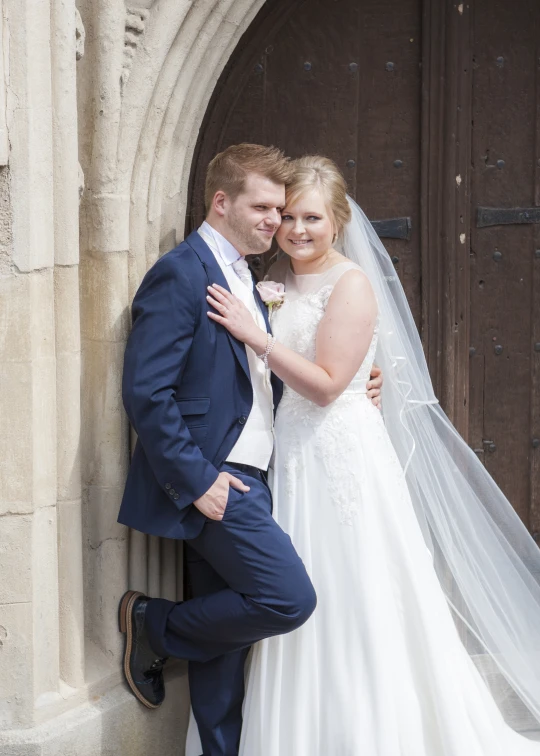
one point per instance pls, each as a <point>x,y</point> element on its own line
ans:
<point>272,294</point>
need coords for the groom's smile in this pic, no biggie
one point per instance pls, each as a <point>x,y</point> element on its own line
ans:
<point>268,231</point>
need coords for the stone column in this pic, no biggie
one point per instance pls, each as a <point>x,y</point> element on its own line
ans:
<point>68,349</point>
<point>28,547</point>
<point>104,326</point>
<point>138,559</point>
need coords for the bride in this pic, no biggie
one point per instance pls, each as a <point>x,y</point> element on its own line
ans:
<point>427,631</point>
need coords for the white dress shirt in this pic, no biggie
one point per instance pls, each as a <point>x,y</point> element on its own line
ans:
<point>256,442</point>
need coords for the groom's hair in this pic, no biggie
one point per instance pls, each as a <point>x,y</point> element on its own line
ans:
<point>228,170</point>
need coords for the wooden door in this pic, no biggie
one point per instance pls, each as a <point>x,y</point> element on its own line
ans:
<point>410,98</point>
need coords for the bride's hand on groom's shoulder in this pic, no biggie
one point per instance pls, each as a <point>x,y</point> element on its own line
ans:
<point>214,502</point>
<point>374,386</point>
<point>235,316</point>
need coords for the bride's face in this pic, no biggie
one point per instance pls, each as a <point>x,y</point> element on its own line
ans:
<point>307,229</point>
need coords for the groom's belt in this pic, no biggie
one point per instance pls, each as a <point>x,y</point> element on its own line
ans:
<point>254,472</point>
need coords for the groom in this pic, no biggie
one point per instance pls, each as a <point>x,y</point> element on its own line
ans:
<point>202,405</point>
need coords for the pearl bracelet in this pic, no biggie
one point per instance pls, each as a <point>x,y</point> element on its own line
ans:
<point>270,344</point>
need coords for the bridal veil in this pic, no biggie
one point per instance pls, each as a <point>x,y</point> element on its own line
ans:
<point>486,561</point>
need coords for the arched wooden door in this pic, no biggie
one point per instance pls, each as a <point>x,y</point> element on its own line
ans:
<point>432,110</point>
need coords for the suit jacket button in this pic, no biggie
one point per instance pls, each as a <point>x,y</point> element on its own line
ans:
<point>172,492</point>
<point>176,496</point>
<point>242,420</point>
<point>167,486</point>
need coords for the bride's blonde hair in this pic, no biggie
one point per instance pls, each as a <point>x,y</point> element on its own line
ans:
<point>317,172</point>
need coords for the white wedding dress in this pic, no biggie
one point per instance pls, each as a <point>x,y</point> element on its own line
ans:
<point>379,669</point>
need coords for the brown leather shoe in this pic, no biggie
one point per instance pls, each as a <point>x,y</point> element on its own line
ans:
<point>143,669</point>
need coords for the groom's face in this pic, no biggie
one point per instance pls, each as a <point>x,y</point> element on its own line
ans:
<point>255,215</point>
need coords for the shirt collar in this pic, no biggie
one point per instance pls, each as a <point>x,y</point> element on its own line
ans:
<point>219,244</point>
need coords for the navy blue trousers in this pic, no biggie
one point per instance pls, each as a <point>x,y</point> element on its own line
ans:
<point>249,583</point>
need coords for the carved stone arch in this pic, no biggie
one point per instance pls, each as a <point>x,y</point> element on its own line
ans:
<point>175,183</point>
<point>182,54</point>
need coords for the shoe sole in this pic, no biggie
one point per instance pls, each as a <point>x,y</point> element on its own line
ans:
<point>126,627</point>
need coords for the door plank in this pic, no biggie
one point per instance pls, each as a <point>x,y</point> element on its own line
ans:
<point>503,152</point>
<point>446,149</point>
<point>388,130</point>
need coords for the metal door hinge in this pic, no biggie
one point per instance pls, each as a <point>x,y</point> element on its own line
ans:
<point>506,216</point>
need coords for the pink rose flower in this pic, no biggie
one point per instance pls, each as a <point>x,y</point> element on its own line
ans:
<point>272,293</point>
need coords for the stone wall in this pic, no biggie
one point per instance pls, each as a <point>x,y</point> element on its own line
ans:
<point>99,104</point>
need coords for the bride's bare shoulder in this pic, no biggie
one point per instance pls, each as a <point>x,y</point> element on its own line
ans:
<point>278,270</point>
<point>352,288</point>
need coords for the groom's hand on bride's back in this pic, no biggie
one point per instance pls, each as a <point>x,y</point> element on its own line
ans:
<point>374,386</point>
<point>214,502</point>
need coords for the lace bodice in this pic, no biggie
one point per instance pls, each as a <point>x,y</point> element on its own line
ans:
<point>333,430</point>
<point>296,322</point>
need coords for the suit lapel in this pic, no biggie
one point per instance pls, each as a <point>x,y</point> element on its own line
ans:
<point>263,308</point>
<point>215,275</point>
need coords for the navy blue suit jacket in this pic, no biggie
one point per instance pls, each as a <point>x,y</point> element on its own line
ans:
<point>186,389</point>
